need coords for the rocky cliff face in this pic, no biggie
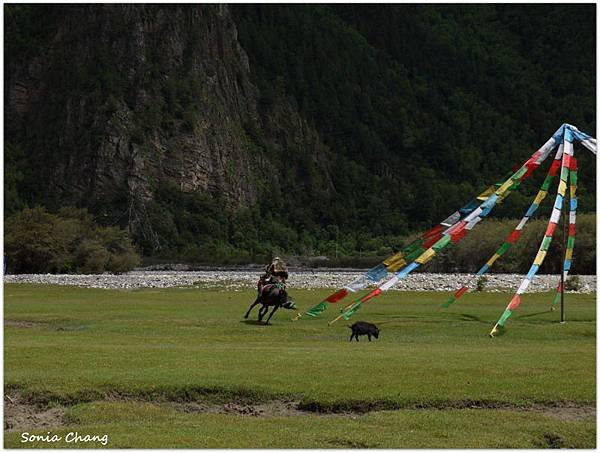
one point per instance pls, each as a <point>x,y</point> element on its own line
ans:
<point>123,99</point>
<point>221,131</point>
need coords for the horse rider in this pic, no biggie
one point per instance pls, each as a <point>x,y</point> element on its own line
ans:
<point>274,278</point>
<point>277,269</point>
<point>275,274</point>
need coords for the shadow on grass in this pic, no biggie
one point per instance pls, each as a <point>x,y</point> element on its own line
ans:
<point>254,322</point>
<point>472,318</point>
<point>444,317</point>
<point>400,317</point>
<point>531,315</point>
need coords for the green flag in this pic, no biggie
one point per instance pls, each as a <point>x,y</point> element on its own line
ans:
<point>504,317</point>
<point>556,298</point>
<point>449,302</point>
<point>317,309</point>
<point>352,310</point>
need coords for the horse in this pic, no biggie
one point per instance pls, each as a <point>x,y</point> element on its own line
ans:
<point>271,296</point>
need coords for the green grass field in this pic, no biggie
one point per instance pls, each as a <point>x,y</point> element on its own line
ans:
<point>125,363</point>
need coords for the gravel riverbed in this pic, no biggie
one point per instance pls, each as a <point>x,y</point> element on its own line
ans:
<point>308,279</point>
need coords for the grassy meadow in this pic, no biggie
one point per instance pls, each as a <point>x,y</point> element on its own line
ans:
<point>129,363</point>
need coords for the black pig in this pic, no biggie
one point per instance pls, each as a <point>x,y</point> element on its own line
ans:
<point>364,328</point>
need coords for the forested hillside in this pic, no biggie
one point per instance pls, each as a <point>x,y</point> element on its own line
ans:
<point>215,132</point>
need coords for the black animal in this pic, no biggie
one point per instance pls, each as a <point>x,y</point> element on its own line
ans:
<point>364,328</point>
<point>271,296</point>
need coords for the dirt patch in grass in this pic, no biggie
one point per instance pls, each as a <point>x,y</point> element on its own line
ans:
<point>566,413</point>
<point>21,416</point>
<point>43,410</point>
<point>273,408</point>
<point>551,440</point>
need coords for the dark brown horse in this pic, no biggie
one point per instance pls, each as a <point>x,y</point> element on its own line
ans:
<point>271,296</point>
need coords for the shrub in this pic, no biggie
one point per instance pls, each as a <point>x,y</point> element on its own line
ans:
<point>573,283</point>
<point>37,241</point>
<point>481,282</point>
<point>92,257</point>
<point>29,243</point>
<point>122,262</point>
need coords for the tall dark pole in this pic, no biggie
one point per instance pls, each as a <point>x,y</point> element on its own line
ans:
<point>562,273</point>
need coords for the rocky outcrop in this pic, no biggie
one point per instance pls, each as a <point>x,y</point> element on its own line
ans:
<point>122,99</point>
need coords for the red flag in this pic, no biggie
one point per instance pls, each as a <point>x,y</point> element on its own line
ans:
<point>513,237</point>
<point>434,231</point>
<point>460,292</point>
<point>371,295</point>
<point>531,166</point>
<point>554,167</point>
<point>550,230</point>
<point>432,240</point>
<point>337,296</point>
<point>573,163</point>
<point>514,303</point>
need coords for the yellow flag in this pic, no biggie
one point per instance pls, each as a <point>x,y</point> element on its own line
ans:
<point>540,197</point>
<point>540,257</point>
<point>426,256</point>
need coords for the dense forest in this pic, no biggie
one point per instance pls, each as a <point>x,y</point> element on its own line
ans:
<point>224,133</point>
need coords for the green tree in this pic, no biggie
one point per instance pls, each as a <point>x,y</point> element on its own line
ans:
<point>37,241</point>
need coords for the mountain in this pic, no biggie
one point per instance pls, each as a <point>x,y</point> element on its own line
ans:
<point>219,131</point>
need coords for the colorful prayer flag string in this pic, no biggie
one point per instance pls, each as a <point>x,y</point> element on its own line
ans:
<point>418,247</point>
<point>568,256</point>
<point>514,236</point>
<point>570,135</point>
<point>456,226</point>
<point>565,134</point>
<point>395,262</point>
<point>460,227</point>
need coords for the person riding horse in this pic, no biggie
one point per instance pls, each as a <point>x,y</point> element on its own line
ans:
<point>275,274</point>
<point>274,280</point>
<point>272,289</point>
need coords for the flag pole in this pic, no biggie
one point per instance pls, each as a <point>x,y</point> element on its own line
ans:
<point>562,273</point>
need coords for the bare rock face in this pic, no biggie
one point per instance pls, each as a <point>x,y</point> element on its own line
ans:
<point>144,49</point>
<point>121,99</point>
